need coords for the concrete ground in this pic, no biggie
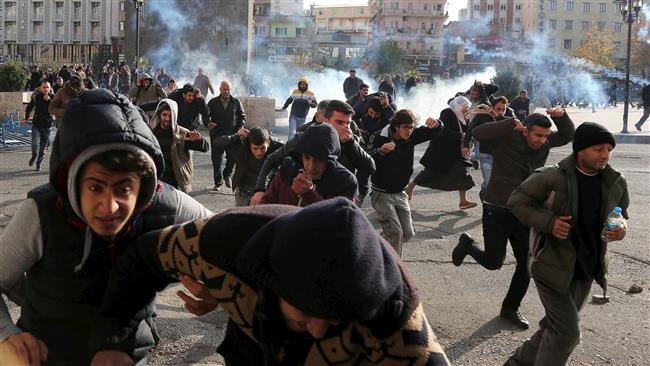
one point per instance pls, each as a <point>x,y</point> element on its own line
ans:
<point>461,303</point>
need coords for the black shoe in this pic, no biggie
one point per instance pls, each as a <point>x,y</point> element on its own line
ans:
<point>638,127</point>
<point>227,182</point>
<point>462,249</point>
<point>515,317</point>
<point>38,167</point>
<point>32,160</point>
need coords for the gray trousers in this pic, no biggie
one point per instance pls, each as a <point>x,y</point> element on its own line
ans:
<point>559,330</point>
<point>394,215</point>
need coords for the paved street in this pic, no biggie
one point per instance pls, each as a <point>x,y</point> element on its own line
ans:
<point>462,304</point>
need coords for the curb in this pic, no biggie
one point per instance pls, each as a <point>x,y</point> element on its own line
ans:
<point>632,138</point>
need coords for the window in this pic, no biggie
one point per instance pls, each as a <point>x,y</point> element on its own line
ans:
<point>361,11</point>
<point>601,26</point>
<point>260,30</point>
<point>426,6</point>
<point>477,7</point>
<point>552,23</point>
<point>77,10</point>
<point>58,11</point>
<point>568,24</point>
<point>617,45</point>
<point>394,6</point>
<point>602,7</point>
<point>567,44</point>
<point>502,20</point>
<point>59,30</point>
<point>95,9</point>
<point>618,26</point>
<point>518,7</point>
<point>38,30</point>
<point>586,7</point>
<point>300,32</point>
<point>261,10</point>
<point>553,5</point>
<point>95,31</point>
<point>281,32</point>
<point>586,25</point>
<point>517,20</point>
<point>121,5</point>
<point>490,7</point>
<point>38,10</point>
<point>551,43</point>
<point>569,6</point>
<point>122,26</point>
<point>503,7</point>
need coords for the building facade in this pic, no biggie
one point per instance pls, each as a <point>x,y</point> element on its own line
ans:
<point>415,26</point>
<point>343,18</point>
<point>341,35</point>
<point>504,19</point>
<point>566,23</point>
<point>283,33</point>
<point>60,31</point>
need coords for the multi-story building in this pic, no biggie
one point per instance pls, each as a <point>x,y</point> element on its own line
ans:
<point>60,30</point>
<point>414,26</point>
<point>342,18</point>
<point>341,35</point>
<point>566,23</point>
<point>282,32</point>
<point>505,20</point>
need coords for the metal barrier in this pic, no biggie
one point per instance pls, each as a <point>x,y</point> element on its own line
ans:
<point>13,132</point>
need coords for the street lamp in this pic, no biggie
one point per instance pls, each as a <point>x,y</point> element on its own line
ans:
<point>138,8</point>
<point>630,10</point>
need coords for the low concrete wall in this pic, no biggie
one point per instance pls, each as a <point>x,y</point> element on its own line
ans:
<point>260,111</point>
<point>10,102</point>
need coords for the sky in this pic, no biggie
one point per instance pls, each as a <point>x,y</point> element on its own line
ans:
<point>454,5</point>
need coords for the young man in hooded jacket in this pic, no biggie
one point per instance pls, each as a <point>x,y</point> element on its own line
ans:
<point>60,246</point>
<point>310,286</point>
<point>176,144</point>
<point>313,172</point>
<point>301,100</point>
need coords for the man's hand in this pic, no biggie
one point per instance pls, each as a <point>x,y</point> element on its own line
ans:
<point>387,147</point>
<point>22,349</point>
<point>212,125</point>
<point>205,303</point>
<point>561,227</point>
<point>616,234</point>
<point>493,113</point>
<point>302,184</point>
<point>46,97</point>
<point>555,112</point>
<point>344,132</point>
<point>257,198</point>
<point>242,133</point>
<point>111,358</point>
<point>193,135</point>
<point>520,126</point>
<point>431,123</point>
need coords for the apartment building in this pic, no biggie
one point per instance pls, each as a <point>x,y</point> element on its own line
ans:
<point>283,31</point>
<point>60,30</point>
<point>566,23</point>
<point>414,26</point>
<point>341,35</point>
<point>504,20</point>
<point>342,18</point>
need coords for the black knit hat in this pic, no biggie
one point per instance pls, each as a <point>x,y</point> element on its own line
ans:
<point>326,260</point>
<point>590,134</point>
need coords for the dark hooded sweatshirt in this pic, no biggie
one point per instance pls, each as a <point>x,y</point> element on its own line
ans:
<point>322,142</point>
<point>65,281</point>
<point>246,256</point>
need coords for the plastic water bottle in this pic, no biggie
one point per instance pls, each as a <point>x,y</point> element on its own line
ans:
<point>614,220</point>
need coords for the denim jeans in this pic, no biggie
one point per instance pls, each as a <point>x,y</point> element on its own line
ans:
<point>40,140</point>
<point>394,215</point>
<point>295,123</point>
<point>486,161</point>
<point>499,227</point>
<point>646,114</point>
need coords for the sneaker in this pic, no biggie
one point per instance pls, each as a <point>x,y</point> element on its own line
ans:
<point>638,127</point>
<point>228,182</point>
<point>216,188</point>
<point>32,160</point>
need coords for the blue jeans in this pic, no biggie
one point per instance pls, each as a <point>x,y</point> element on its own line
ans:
<point>295,123</point>
<point>40,140</point>
<point>486,161</point>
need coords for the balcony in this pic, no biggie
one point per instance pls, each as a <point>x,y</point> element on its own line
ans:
<point>11,15</point>
<point>415,12</point>
<point>95,37</point>
<point>10,36</point>
<point>95,17</point>
<point>38,16</point>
